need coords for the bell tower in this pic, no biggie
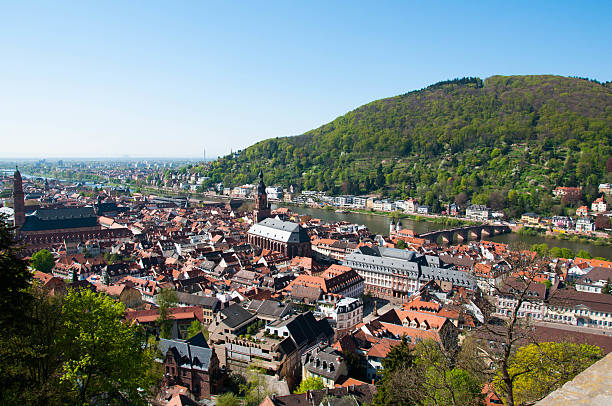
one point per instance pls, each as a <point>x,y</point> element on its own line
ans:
<point>262,209</point>
<point>18,199</point>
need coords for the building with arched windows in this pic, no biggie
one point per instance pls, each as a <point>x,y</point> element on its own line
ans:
<point>282,236</point>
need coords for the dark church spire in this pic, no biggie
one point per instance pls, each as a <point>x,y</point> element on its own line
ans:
<point>262,209</point>
<point>18,199</point>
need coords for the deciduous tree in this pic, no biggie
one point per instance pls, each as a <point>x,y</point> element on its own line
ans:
<point>104,360</point>
<point>43,261</point>
<point>538,369</point>
<point>310,383</point>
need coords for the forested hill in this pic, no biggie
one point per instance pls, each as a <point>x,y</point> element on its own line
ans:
<point>507,137</point>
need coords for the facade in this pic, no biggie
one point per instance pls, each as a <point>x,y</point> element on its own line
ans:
<point>337,279</point>
<point>393,273</point>
<point>582,309</point>
<point>344,313</point>
<point>283,236</point>
<point>325,363</point>
<point>532,308</point>
<point>563,190</point>
<point>562,222</point>
<point>190,363</point>
<point>477,212</point>
<point>274,192</point>
<point>599,205</point>
<point>530,219</point>
<point>585,224</point>
<point>582,211</point>
<point>594,280</point>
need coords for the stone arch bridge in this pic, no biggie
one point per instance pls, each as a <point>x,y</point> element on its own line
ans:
<point>465,233</point>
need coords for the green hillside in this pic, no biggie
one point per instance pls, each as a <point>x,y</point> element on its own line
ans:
<point>506,141</point>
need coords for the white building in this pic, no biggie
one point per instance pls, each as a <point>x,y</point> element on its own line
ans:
<point>585,224</point>
<point>582,309</point>
<point>599,205</point>
<point>274,192</point>
<point>344,313</point>
<point>594,280</point>
<point>477,212</point>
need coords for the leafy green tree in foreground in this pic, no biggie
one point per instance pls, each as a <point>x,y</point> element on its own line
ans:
<point>43,261</point>
<point>441,383</point>
<point>310,383</point>
<point>427,376</point>
<point>14,281</point>
<point>538,369</point>
<point>105,359</point>
<point>15,302</point>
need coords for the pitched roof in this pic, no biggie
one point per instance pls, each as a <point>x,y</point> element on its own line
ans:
<point>190,353</point>
<point>235,315</point>
<point>276,229</point>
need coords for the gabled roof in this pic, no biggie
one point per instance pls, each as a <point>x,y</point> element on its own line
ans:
<point>235,315</point>
<point>279,230</point>
<point>304,328</point>
<point>190,353</point>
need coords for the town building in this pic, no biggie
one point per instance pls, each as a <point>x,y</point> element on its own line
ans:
<point>344,313</point>
<point>579,308</point>
<point>190,363</point>
<point>394,273</point>
<point>533,307</point>
<point>599,205</point>
<point>585,224</point>
<point>594,280</point>
<point>283,236</point>
<point>561,191</point>
<point>325,363</point>
<point>605,188</point>
<point>477,212</point>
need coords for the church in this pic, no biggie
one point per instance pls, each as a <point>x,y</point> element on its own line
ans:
<point>47,226</point>
<point>273,233</point>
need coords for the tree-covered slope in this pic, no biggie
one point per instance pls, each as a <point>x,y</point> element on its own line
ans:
<point>507,137</point>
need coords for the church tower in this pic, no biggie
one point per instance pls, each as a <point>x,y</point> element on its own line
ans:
<point>18,199</point>
<point>262,209</point>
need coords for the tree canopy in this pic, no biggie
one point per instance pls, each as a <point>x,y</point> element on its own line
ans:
<point>538,369</point>
<point>42,261</point>
<point>310,383</point>
<point>104,357</point>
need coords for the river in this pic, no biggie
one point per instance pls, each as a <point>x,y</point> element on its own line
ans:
<point>379,224</point>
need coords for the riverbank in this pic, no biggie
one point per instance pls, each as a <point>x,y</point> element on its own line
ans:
<point>573,237</point>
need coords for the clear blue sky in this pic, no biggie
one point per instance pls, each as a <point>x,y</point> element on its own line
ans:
<point>172,78</point>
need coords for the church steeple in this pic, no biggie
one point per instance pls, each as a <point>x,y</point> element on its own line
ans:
<point>18,199</point>
<point>262,209</point>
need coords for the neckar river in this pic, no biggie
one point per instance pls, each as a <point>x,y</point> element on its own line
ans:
<point>379,224</point>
